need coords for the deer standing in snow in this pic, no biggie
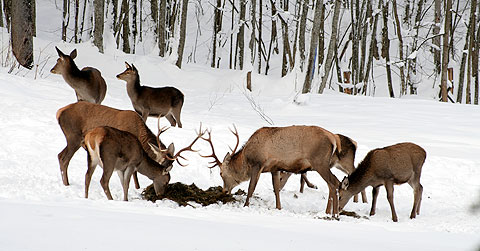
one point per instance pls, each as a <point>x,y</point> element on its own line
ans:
<point>88,83</point>
<point>120,151</point>
<point>78,118</point>
<point>149,101</point>
<point>294,149</point>
<point>388,166</point>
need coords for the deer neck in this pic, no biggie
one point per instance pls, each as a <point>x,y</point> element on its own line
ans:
<point>238,168</point>
<point>73,76</point>
<point>149,167</point>
<point>133,87</point>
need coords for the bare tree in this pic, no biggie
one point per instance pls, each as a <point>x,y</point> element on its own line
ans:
<point>21,32</point>
<point>183,29</point>
<point>241,34</point>
<point>75,31</point>
<point>98,27</point>
<point>436,39</point>
<point>251,45</point>
<point>313,46</point>
<point>446,35</point>
<point>162,27</point>
<point>301,36</point>
<point>273,36</point>
<point>386,48</point>
<point>403,86</point>
<point>65,19</point>
<point>466,51</point>
<point>372,50</point>
<point>260,22</point>
<point>125,26</point>
<point>217,27</point>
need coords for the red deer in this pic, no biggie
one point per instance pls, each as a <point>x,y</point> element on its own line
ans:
<point>347,155</point>
<point>78,118</point>
<point>294,149</point>
<point>120,151</point>
<point>88,83</point>
<point>388,166</point>
<point>149,101</point>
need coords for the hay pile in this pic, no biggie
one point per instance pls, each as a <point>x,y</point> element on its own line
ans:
<point>182,194</point>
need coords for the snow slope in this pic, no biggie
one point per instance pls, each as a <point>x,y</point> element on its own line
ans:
<point>39,213</point>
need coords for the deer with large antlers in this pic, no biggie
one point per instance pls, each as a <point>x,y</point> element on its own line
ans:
<point>294,149</point>
<point>149,101</point>
<point>120,151</point>
<point>388,166</point>
<point>78,118</point>
<point>88,83</point>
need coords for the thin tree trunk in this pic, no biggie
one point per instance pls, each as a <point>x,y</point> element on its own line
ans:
<point>66,8</point>
<point>373,43</point>
<point>134,24</point>
<point>301,36</point>
<point>403,86</point>
<point>363,40</point>
<point>475,67</point>
<point>446,35</point>
<point>465,53</point>
<point>321,37</point>
<point>183,29</point>
<point>82,24</point>
<point>253,5</point>
<point>313,45</point>
<point>161,27</point>
<point>1,14</point>
<point>273,36</point>
<point>331,46</point>
<point>34,17</point>
<point>98,27</point>
<point>260,22</point>
<point>287,52</point>
<point>412,63</point>
<point>241,34</point>
<point>217,26</point>
<point>230,65</point>
<point>140,32</point>
<point>386,48</point>
<point>7,9</point>
<point>125,26</point>
<point>75,31</point>
<point>436,39</point>
<point>154,13</point>
<point>22,34</point>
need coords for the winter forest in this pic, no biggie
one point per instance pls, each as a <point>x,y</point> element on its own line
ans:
<point>255,99</point>
<point>353,46</point>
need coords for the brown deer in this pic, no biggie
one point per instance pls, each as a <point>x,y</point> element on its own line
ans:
<point>294,149</point>
<point>349,148</point>
<point>388,166</point>
<point>78,118</point>
<point>149,101</point>
<point>120,151</point>
<point>88,83</point>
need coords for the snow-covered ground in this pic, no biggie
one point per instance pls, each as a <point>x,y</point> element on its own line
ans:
<point>39,213</point>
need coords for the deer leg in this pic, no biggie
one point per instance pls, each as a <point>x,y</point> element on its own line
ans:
<point>302,183</point>
<point>88,175</point>
<point>284,178</point>
<point>305,179</point>
<point>253,183</point>
<point>333,185</point>
<point>176,111</point>
<point>126,180</point>
<point>364,196</point>
<point>107,173</point>
<point>389,188</point>
<point>145,113</point>
<point>121,175</point>
<point>276,188</point>
<point>65,156</point>
<point>417,197</point>
<point>171,119</point>
<point>135,180</point>
<point>375,191</point>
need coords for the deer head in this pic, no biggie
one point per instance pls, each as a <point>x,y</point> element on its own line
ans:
<point>130,73</point>
<point>64,62</point>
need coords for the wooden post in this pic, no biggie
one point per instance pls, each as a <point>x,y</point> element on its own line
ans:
<point>346,80</point>
<point>249,80</point>
<point>450,78</point>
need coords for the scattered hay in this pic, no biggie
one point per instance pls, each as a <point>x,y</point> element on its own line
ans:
<point>182,194</point>
<point>352,214</point>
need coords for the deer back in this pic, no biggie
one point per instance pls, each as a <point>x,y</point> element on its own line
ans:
<point>88,83</point>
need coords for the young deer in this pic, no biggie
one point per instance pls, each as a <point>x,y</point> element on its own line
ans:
<point>88,83</point>
<point>78,118</point>
<point>294,149</point>
<point>120,151</point>
<point>388,166</point>
<point>149,101</point>
<point>347,155</point>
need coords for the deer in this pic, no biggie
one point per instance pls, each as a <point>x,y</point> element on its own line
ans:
<point>78,118</point>
<point>348,150</point>
<point>88,83</point>
<point>392,165</point>
<point>149,101</point>
<point>294,149</point>
<point>116,150</point>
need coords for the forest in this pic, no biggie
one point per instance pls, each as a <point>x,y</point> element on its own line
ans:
<point>347,46</point>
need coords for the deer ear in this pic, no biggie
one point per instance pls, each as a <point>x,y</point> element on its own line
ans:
<point>73,54</point>
<point>127,65</point>
<point>344,184</point>
<point>134,68</point>
<point>227,157</point>
<point>171,149</point>
<point>60,53</point>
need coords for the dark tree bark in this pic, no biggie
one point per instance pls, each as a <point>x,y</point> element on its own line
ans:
<point>436,39</point>
<point>154,13</point>
<point>260,22</point>
<point>134,24</point>
<point>372,49</point>
<point>253,5</point>
<point>22,34</point>
<point>183,29</point>
<point>162,28</point>
<point>125,26</point>
<point>403,86</point>
<point>273,36</point>
<point>230,62</point>
<point>446,35</point>
<point>75,31</point>
<point>321,37</point>
<point>301,36</point>
<point>98,26</point>
<point>386,48</point>
<point>241,34</point>
<point>217,27</point>
<point>65,19</point>
<point>475,56</point>
<point>465,53</point>
<point>82,23</point>
<point>313,45</point>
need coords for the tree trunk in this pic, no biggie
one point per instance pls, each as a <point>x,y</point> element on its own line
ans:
<point>363,40</point>
<point>287,53</point>
<point>134,24</point>
<point>154,13</point>
<point>475,67</point>
<point>465,53</point>
<point>34,17</point>
<point>331,46</point>
<point>252,43</point>
<point>183,29</point>
<point>412,63</point>
<point>82,24</point>
<point>125,26</point>
<point>321,38</point>
<point>436,39</point>
<point>241,34</point>
<point>301,36</point>
<point>403,86</point>
<point>22,34</point>
<point>273,36</point>
<point>373,43</point>
<point>75,31</point>
<point>230,64</point>
<point>161,27</point>
<point>66,18</point>
<point>98,27</point>
<point>386,48</point>
<point>260,22</point>
<point>313,46</point>
<point>446,35</point>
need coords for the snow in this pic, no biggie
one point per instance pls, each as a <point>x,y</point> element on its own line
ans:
<point>37,212</point>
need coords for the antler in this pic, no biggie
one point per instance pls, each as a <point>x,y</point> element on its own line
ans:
<point>160,131</point>
<point>188,148</point>
<point>215,160</point>
<point>238,138</point>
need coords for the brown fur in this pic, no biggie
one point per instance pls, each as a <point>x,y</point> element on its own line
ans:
<point>88,83</point>
<point>149,101</point>
<point>77,118</point>
<point>388,166</point>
